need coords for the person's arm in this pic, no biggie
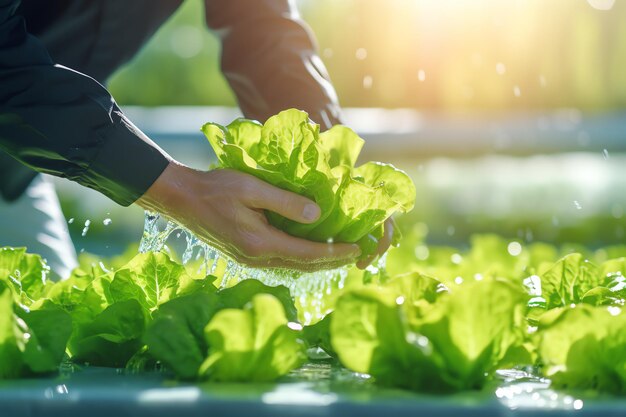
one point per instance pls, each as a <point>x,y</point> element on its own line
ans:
<point>269,57</point>
<point>62,122</point>
<point>270,61</point>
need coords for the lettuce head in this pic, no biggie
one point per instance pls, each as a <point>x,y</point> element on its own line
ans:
<point>289,152</point>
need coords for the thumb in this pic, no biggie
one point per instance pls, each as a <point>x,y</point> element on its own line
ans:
<point>290,205</point>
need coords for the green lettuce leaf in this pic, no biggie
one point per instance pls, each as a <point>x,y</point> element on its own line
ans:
<point>452,344</point>
<point>243,293</point>
<point>111,337</point>
<point>290,152</point>
<point>584,347</point>
<point>12,336</point>
<point>110,312</point>
<point>318,335</point>
<point>568,280</point>
<point>31,341</point>
<point>27,273</point>
<point>370,335</point>
<point>176,336</point>
<point>474,327</point>
<point>252,344</point>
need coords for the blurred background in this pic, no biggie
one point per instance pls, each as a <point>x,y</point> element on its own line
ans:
<point>510,115</point>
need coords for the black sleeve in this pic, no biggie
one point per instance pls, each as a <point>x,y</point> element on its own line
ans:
<point>59,121</point>
<point>269,59</point>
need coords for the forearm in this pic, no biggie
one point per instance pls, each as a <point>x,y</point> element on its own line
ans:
<point>64,123</point>
<point>269,58</point>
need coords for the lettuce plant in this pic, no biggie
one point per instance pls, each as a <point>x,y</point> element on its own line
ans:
<point>427,339</point>
<point>239,333</point>
<point>255,343</point>
<point>33,330</point>
<point>289,151</point>
<point>583,347</point>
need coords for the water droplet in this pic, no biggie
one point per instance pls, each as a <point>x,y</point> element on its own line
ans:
<point>294,326</point>
<point>456,258</point>
<point>361,54</point>
<point>70,221</point>
<point>421,75</point>
<point>186,41</point>
<point>422,341</point>
<point>422,252</point>
<point>330,240</point>
<point>577,205</point>
<point>500,68</point>
<point>368,81</point>
<point>614,311</point>
<point>578,404</point>
<point>400,300</point>
<point>86,228</point>
<point>514,248</point>
<point>458,280</point>
<point>605,154</point>
<point>516,91</point>
<point>106,221</point>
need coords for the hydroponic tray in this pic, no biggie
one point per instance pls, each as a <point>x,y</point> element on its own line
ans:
<point>314,390</point>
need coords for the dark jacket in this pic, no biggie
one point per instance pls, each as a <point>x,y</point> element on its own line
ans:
<point>57,118</point>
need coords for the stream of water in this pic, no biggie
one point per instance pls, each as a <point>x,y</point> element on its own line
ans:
<point>308,289</point>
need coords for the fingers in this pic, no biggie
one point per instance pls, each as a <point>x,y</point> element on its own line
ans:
<point>299,266</point>
<point>287,247</point>
<point>363,263</point>
<point>385,241</point>
<point>270,247</point>
<point>383,245</point>
<point>290,205</point>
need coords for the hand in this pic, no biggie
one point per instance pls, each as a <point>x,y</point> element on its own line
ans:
<point>225,209</point>
<point>383,244</point>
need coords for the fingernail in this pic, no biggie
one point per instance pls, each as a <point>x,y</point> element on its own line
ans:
<point>311,212</point>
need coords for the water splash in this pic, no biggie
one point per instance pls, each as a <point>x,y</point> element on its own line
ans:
<point>521,389</point>
<point>308,289</point>
<point>86,228</point>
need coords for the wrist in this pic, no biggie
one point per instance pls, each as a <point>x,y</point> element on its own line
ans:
<point>168,189</point>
